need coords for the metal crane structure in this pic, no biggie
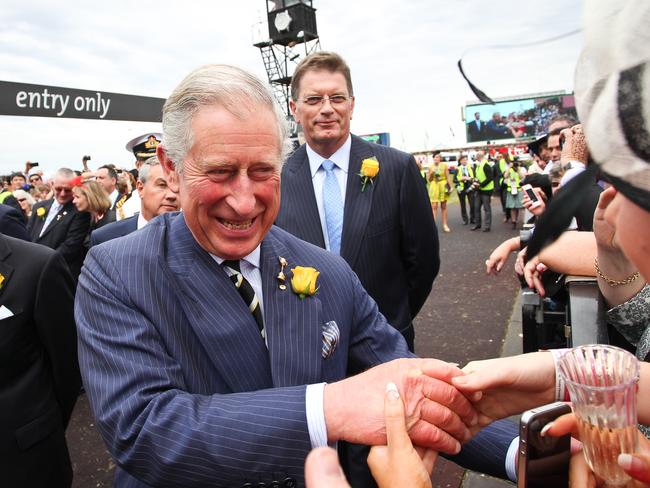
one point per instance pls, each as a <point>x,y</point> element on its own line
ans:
<point>292,35</point>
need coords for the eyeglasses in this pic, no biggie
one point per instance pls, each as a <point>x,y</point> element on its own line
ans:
<point>320,99</point>
<point>62,190</point>
<point>35,178</point>
<point>22,199</point>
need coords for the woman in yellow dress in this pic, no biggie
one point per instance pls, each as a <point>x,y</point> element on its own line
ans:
<point>439,188</point>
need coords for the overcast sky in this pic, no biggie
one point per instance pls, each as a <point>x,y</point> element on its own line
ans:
<point>402,54</point>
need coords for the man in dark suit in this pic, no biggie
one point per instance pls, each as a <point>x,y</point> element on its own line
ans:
<point>39,379</point>
<point>156,198</point>
<point>12,223</point>
<point>56,223</point>
<point>384,228</point>
<point>212,351</point>
<point>476,130</point>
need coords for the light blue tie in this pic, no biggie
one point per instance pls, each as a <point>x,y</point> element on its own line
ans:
<point>333,204</point>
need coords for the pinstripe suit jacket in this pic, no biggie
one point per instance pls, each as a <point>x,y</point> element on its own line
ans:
<point>184,391</point>
<point>389,237</point>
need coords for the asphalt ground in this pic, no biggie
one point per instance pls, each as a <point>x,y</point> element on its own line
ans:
<point>464,318</point>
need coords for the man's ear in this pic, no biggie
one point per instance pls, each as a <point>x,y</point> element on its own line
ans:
<point>169,168</point>
<point>292,107</point>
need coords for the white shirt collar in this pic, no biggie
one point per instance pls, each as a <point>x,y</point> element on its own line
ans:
<point>253,258</point>
<point>341,157</point>
<point>113,196</point>
<point>141,221</point>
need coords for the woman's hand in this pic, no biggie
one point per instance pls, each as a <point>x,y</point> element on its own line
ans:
<point>497,260</point>
<point>399,463</point>
<point>528,203</point>
<point>636,465</point>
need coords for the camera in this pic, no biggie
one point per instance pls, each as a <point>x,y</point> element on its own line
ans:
<point>86,158</point>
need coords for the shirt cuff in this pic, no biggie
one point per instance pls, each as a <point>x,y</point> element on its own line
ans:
<point>316,415</point>
<point>511,459</point>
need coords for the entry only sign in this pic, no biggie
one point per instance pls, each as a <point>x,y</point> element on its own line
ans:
<point>52,101</point>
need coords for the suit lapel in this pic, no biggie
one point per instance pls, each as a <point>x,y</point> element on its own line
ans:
<point>293,325</point>
<point>5,269</point>
<point>357,203</point>
<point>217,314</point>
<point>38,226</point>
<point>299,187</point>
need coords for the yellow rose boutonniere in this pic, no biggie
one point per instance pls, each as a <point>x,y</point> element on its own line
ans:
<point>369,169</point>
<point>40,211</point>
<point>303,281</point>
<point>2,280</point>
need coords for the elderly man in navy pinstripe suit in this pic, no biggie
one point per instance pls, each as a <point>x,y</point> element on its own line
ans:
<point>189,388</point>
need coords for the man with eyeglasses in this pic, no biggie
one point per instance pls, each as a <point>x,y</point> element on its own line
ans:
<point>56,223</point>
<point>383,228</point>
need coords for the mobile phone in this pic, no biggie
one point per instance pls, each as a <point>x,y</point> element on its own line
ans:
<point>543,461</point>
<point>528,189</point>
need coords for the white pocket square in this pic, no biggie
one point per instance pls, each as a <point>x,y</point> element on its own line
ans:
<point>5,313</point>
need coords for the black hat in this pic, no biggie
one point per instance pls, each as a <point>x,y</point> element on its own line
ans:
<point>144,146</point>
<point>535,145</point>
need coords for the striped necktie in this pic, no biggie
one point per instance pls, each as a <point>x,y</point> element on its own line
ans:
<point>246,292</point>
<point>333,206</point>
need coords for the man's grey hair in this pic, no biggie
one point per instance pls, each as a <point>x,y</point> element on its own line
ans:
<point>65,173</point>
<point>145,169</point>
<point>235,90</point>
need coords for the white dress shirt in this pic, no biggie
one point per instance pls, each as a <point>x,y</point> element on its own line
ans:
<point>142,222</point>
<point>113,197</point>
<point>341,159</point>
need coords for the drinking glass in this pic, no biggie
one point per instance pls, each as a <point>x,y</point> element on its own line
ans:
<point>602,382</point>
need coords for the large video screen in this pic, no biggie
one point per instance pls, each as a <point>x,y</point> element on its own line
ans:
<point>515,119</point>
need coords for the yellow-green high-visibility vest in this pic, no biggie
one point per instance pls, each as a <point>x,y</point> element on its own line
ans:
<point>480,176</point>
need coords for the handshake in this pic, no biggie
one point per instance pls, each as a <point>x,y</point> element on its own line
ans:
<point>410,409</point>
<point>437,415</point>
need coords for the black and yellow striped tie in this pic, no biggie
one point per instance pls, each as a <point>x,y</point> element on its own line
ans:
<point>247,293</point>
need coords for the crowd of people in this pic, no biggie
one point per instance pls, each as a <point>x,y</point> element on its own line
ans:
<point>496,173</point>
<point>220,345</point>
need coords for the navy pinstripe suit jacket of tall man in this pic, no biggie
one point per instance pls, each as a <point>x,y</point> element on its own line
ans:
<point>389,236</point>
<point>184,388</point>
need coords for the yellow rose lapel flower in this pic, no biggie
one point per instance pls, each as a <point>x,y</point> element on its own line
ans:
<point>303,281</point>
<point>369,169</point>
<point>40,211</point>
<point>2,280</point>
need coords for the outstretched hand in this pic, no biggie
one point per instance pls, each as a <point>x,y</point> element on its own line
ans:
<point>437,415</point>
<point>499,257</point>
<point>637,465</point>
<point>399,463</point>
<point>509,385</point>
<point>323,470</point>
